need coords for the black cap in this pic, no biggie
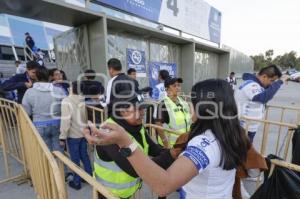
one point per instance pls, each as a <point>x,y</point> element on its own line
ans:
<point>126,99</point>
<point>172,80</point>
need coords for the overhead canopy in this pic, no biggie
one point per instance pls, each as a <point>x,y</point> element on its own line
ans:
<point>54,11</point>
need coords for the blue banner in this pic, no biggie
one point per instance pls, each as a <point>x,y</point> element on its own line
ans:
<point>136,59</point>
<point>195,17</point>
<point>148,9</point>
<point>155,67</point>
<point>214,25</point>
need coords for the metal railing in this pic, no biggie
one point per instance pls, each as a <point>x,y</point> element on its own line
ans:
<point>97,187</point>
<point>11,142</point>
<point>43,168</point>
<point>21,141</point>
<point>28,56</point>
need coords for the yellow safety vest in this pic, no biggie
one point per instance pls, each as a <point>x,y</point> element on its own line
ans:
<point>179,119</point>
<point>113,177</point>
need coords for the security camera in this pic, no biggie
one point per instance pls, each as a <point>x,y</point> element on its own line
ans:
<point>160,27</point>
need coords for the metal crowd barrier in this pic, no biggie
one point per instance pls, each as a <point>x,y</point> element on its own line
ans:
<point>265,144</point>
<point>283,111</point>
<point>46,178</point>
<point>10,142</point>
<point>21,142</point>
<point>95,115</point>
<point>267,130</point>
<point>97,187</point>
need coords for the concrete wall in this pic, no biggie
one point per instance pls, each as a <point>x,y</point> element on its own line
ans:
<point>188,66</point>
<point>97,42</point>
<point>206,65</point>
<point>72,51</point>
<point>92,44</point>
<point>155,50</point>
<point>239,62</point>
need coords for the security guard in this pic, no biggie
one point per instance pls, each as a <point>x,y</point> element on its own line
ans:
<point>111,167</point>
<point>174,112</point>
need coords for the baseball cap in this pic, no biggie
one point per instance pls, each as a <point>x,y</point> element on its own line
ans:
<point>172,80</point>
<point>128,98</point>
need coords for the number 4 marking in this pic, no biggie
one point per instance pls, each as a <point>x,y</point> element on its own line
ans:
<point>172,5</point>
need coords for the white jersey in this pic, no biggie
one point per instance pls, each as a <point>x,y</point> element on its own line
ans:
<point>161,91</point>
<point>232,82</point>
<point>212,181</point>
<point>247,107</point>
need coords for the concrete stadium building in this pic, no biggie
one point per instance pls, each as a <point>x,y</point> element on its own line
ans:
<point>144,34</point>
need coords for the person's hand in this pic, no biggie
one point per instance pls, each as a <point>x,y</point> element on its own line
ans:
<point>89,137</point>
<point>165,142</point>
<point>109,134</point>
<point>285,78</point>
<point>28,84</point>
<point>62,143</point>
<point>181,141</point>
<point>180,145</point>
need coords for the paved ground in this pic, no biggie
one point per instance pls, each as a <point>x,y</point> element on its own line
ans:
<point>288,95</point>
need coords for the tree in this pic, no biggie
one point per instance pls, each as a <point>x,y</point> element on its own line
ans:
<point>259,61</point>
<point>287,60</point>
<point>269,54</point>
<point>298,63</point>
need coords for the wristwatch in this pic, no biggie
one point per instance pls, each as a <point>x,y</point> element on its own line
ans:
<point>127,151</point>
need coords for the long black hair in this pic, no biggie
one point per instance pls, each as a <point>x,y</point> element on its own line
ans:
<point>216,110</point>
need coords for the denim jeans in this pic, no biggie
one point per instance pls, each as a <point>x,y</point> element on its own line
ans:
<point>50,134</point>
<point>78,151</point>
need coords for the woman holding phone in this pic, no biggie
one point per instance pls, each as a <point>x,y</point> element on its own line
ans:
<point>216,146</point>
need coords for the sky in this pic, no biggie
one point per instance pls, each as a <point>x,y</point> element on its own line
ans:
<point>254,26</point>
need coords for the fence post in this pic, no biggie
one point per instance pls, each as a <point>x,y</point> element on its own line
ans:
<point>288,140</point>
<point>264,139</point>
<point>279,130</point>
<point>4,148</point>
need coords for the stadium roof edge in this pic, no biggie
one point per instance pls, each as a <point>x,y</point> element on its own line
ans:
<point>54,11</point>
<point>145,31</point>
<point>60,12</point>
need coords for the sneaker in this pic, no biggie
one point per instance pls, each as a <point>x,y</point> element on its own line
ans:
<point>69,177</point>
<point>74,186</point>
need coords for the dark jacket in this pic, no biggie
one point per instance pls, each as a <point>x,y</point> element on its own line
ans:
<point>16,82</point>
<point>29,42</point>
<point>121,83</point>
<point>89,87</point>
<point>161,156</point>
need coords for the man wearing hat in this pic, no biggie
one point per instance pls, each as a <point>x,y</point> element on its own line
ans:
<point>111,167</point>
<point>174,112</point>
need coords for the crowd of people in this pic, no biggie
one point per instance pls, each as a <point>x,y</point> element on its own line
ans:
<point>208,145</point>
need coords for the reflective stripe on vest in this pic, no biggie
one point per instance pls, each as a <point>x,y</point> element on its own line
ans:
<point>179,118</point>
<point>118,186</point>
<point>113,177</point>
<point>107,165</point>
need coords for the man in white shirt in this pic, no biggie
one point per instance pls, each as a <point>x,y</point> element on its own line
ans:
<point>231,80</point>
<point>254,93</point>
<point>118,82</point>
